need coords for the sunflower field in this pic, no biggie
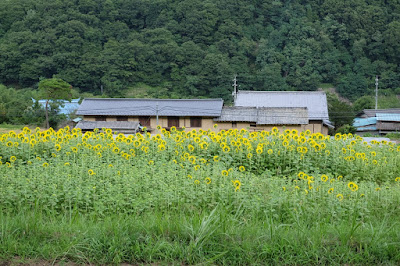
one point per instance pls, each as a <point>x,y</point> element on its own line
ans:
<point>204,195</point>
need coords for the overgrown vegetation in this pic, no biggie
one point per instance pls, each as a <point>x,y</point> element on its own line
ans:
<point>232,197</point>
<point>20,107</point>
<point>394,135</point>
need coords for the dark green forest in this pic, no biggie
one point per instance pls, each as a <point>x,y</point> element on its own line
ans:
<point>193,48</point>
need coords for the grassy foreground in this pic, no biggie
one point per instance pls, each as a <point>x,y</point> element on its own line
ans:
<point>229,197</point>
<point>223,236</point>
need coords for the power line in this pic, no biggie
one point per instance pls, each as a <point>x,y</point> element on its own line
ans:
<point>376,92</point>
<point>195,108</point>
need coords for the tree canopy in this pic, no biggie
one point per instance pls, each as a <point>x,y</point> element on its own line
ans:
<point>193,48</point>
<point>52,90</point>
<point>55,89</point>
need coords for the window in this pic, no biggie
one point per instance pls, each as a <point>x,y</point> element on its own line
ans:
<point>144,121</point>
<point>234,124</point>
<point>173,121</point>
<point>195,122</point>
<point>253,124</point>
<point>122,118</point>
<point>100,118</point>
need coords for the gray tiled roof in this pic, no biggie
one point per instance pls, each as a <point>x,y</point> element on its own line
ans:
<point>90,125</point>
<point>265,115</point>
<point>148,107</point>
<point>315,101</point>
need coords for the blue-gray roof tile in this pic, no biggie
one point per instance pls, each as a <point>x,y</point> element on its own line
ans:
<point>388,117</point>
<point>315,101</point>
<point>150,107</point>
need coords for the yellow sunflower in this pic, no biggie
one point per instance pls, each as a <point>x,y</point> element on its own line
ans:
<point>324,178</point>
<point>339,197</point>
<point>352,186</point>
<point>236,184</point>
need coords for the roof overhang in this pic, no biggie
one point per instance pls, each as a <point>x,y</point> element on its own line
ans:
<point>115,125</point>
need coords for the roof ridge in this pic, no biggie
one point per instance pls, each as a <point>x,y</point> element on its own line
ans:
<point>381,109</point>
<point>154,99</point>
<point>315,92</point>
<point>263,107</point>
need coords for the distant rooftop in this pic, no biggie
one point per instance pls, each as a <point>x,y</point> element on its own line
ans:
<point>362,122</point>
<point>150,107</point>
<point>388,117</point>
<point>66,107</point>
<point>373,112</point>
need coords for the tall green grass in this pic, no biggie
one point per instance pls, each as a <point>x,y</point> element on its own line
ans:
<point>226,234</point>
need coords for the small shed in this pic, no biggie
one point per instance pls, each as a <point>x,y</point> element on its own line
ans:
<point>380,121</point>
<point>387,123</point>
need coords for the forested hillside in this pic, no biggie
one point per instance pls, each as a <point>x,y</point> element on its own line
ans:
<point>193,48</point>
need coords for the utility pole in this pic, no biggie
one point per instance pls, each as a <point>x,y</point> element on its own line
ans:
<point>157,114</point>
<point>235,86</point>
<point>101,89</point>
<point>376,92</point>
